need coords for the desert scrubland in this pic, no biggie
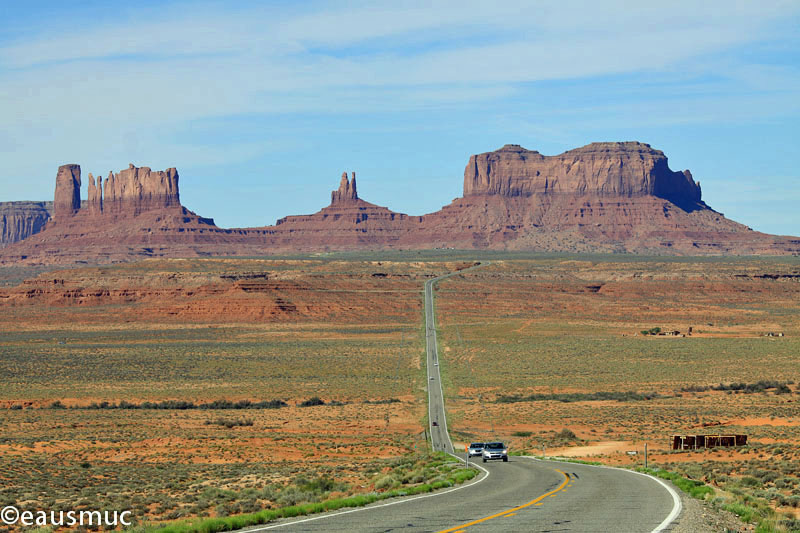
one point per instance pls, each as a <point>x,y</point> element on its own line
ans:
<point>209,387</point>
<point>554,353</point>
<point>182,388</point>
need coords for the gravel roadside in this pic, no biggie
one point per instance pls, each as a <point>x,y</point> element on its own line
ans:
<point>700,517</point>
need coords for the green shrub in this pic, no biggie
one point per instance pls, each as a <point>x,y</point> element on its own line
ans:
<point>695,489</point>
<point>745,512</point>
<point>749,481</point>
<point>566,434</point>
<point>311,402</point>
<point>228,523</point>
<point>230,423</point>
<point>567,397</point>
<point>386,482</point>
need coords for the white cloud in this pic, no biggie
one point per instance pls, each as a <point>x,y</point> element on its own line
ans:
<point>211,64</point>
<point>97,93</point>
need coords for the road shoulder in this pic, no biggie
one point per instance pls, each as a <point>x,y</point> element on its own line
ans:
<point>701,517</point>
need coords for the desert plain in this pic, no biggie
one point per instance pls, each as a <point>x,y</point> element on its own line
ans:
<point>208,387</point>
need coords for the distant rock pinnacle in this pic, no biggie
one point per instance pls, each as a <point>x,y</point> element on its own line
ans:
<point>346,192</point>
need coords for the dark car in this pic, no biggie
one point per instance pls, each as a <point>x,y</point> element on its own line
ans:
<point>495,450</point>
<point>475,449</point>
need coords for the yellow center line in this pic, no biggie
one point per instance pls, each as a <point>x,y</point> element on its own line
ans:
<point>508,512</point>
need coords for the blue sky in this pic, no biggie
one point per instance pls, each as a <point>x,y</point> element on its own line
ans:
<point>261,107</point>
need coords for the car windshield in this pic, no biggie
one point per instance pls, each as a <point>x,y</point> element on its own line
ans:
<point>476,445</point>
<point>495,446</point>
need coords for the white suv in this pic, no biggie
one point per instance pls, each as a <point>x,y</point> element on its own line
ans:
<point>475,449</point>
<point>495,450</point>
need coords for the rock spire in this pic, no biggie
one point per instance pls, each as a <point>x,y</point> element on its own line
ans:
<point>68,191</point>
<point>347,190</point>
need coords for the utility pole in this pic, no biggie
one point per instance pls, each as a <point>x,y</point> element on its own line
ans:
<point>645,455</point>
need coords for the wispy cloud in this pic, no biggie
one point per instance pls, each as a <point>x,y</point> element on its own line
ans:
<point>172,66</point>
<point>134,83</point>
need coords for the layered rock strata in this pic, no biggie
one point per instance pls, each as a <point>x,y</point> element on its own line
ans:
<point>20,220</point>
<point>603,197</point>
<point>626,169</point>
<point>131,191</point>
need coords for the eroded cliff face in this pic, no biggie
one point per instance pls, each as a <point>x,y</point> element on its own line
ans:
<point>138,189</point>
<point>20,220</point>
<point>68,191</point>
<point>604,197</point>
<point>130,192</point>
<point>625,169</point>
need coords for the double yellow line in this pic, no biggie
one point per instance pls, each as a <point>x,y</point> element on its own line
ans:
<point>511,511</point>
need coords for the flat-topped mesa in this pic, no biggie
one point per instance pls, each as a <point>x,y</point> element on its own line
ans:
<point>600,169</point>
<point>347,192</point>
<point>138,189</point>
<point>67,200</point>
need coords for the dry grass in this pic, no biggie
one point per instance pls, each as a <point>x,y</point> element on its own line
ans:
<point>200,331</point>
<point>559,332</point>
<point>563,335</point>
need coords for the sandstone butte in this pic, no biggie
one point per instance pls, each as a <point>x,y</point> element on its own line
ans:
<point>617,197</point>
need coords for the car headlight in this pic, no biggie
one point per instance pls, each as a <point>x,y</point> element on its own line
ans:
<point>505,451</point>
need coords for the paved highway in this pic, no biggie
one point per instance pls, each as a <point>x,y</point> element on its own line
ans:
<point>437,420</point>
<point>524,494</point>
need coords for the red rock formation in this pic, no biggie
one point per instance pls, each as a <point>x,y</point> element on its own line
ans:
<point>604,197</point>
<point>20,220</point>
<point>130,192</point>
<point>95,202</point>
<point>601,169</point>
<point>68,191</point>
<point>347,192</point>
<point>135,190</point>
<point>348,223</point>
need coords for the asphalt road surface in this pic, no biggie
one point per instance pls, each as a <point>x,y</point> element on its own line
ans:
<point>524,494</point>
<point>437,420</point>
<point>521,495</point>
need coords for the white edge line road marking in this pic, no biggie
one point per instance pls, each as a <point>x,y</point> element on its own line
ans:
<point>676,505</point>
<point>370,507</point>
<point>428,286</point>
<point>676,499</point>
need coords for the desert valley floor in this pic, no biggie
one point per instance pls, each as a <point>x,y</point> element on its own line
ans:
<point>129,376</point>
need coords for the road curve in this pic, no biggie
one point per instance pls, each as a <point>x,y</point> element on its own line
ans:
<point>524,494</point>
